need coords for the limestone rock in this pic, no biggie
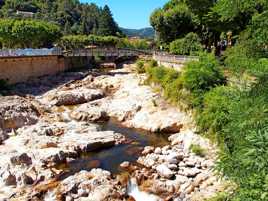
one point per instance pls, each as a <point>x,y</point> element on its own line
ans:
<point>16,112</point>
<point>164,171</point>
<point>89,113</point>
<point>76,96</point>
<point>96,185</point>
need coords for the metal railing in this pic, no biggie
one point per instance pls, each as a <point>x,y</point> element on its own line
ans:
<point>166,57</point>
<point>101,51</point>
<point>30,52</point>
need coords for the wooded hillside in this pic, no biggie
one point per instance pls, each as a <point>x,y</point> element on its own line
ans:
<point>72,16</point>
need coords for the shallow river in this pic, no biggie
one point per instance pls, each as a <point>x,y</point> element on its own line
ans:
<point>111,158</point>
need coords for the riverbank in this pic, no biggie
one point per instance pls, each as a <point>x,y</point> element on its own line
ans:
<point>57,126</point>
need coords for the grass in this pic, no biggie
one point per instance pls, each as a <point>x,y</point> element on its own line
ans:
<point>198,150</point>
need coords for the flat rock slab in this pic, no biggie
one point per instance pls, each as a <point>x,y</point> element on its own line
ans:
<point>75,96</point>
<point>42,146</point>
<point>136,105</point>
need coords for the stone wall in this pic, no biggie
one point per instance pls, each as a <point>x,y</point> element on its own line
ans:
<point>173,61</point>
<point>21,69</point>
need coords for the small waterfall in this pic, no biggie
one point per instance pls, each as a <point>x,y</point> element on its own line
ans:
<point>134,191</point>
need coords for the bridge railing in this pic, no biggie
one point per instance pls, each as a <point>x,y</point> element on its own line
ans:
<point>30,52</point>
<point>99,51</point>
<point>169,58</point>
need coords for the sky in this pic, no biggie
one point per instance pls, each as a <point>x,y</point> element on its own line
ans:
<point>130,13</point>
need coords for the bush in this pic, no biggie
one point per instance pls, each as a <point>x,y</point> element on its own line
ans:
<point>202,75</point>
<point>238,59</point>
<point>140,66</point>
<point>189,45</point>
<point>198,77</point>
<point>153,63</point>
<point>216,109</point>
<point>189,86</point>
<point>244,158</point>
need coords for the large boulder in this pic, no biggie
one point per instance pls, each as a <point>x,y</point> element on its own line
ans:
<point>75,96</point>
<point>16,112</point>
<point>89,113</point>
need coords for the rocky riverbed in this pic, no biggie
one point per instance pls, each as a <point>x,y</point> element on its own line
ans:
<point>53,123</point>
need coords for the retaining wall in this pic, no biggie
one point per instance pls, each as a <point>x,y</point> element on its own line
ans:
<point>21,69</point>
<point>173,61</point>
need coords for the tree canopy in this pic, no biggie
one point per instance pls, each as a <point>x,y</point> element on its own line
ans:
<point>27,33</point>
<point>210,19</point>
<point>72,16</point>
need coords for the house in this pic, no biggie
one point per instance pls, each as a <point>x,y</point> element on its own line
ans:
<point>25,14</point>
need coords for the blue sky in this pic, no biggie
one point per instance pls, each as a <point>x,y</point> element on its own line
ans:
<point>131,13</point>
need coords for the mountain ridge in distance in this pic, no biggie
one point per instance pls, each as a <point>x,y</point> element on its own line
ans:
<point>147,32</point>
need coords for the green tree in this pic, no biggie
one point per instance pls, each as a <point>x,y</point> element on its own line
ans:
<point>173,22</point>
<point>107,25</point>
<point>72,16</point>
<point>28,33</point>
<point>189,45</point>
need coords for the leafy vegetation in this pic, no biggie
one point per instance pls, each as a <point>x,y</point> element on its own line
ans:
<point>140,66</point>
<point>82,41</point>
<point>214,21</point>
<point>27,33</point>
<point>142,44</point>
<point>232,113</point>
<point>189,45</point>
<point>71,16</point>
<point>189,86</point>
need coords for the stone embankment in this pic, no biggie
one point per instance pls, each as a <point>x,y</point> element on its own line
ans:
<point>50,127</point>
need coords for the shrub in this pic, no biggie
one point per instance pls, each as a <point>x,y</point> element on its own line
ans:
<point>216,109</point>
<point>244,154</point>
<point>140,66</point>
<point>189,86</point>
<point>202,75</point>
<point>189,45</point>
<point>239,60</point>
<point>153,63</point>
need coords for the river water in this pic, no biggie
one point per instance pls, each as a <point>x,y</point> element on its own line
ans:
<point>111,158</point>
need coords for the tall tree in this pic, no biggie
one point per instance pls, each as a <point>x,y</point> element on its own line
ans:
<point>173,21</point>
<point>107,25</point>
